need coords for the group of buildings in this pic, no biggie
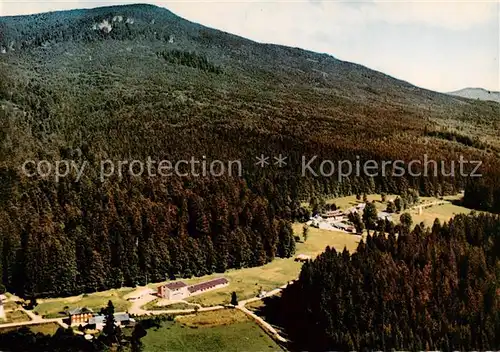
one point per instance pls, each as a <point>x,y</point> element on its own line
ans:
<point>87,318</point>
<point>339,220</point>
<point>172,291</point>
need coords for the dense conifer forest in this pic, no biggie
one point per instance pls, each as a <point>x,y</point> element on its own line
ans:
<point>132,82</point>
<point>431,289</point>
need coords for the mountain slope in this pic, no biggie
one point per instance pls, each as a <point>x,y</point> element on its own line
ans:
<point>162,27</point>
<point>126,83</point>
<point>477,93</point>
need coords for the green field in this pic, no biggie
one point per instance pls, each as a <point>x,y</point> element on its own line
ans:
<point>223,333</point>
<point>246,282</point>
<point>350,201</point>
<point>442,212</point>
<point>16,316</point>
<point>47,328</point>
<point>54,307</point>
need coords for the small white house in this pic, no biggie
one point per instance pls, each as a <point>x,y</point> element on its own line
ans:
<point>302,258</point>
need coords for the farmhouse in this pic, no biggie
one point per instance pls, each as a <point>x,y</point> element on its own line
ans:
<point>173,291</point>
<point>79,316</point>
<point>121,319</point>
<point>179,290</point>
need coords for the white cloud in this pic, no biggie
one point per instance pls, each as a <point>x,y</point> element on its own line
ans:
<point>453,15</point>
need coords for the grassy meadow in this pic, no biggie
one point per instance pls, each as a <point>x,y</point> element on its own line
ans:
<point>223,330</point>
<point>248,282</point>
<point>55,307</point>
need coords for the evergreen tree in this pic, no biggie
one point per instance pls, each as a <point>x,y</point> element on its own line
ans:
<point>397,204</point>
<point>370,216</point>
<point>356,220</point>
<point>110,330</point>
<point>406,222</point>
<point>390,207</point>
<point>135,342</point>
<point>234,299</point>
<point>305,232</point>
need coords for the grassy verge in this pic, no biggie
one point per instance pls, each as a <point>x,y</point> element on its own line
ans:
<point>255,306</point>
<point>157,305</point>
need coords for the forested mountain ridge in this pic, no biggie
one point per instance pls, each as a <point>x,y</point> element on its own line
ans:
<point>129,82</point>
<point>477,93</point>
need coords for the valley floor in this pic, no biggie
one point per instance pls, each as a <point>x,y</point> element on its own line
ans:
<point>248,282</point>
<point>221,333</point>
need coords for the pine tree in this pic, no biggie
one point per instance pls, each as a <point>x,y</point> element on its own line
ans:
<point>135,341</point>
<point>390,207</point>
<point>234,299</point>
<point>305,232</point>
<point>370,216</point>
<point>397,204</point>
<point>406,222</point>
<point>110,330</point>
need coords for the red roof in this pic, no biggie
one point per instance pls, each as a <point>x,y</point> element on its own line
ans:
<point>175,285</point>
<point>207,284</point>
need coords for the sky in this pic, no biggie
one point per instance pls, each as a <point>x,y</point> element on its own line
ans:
<point>438,45</point>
